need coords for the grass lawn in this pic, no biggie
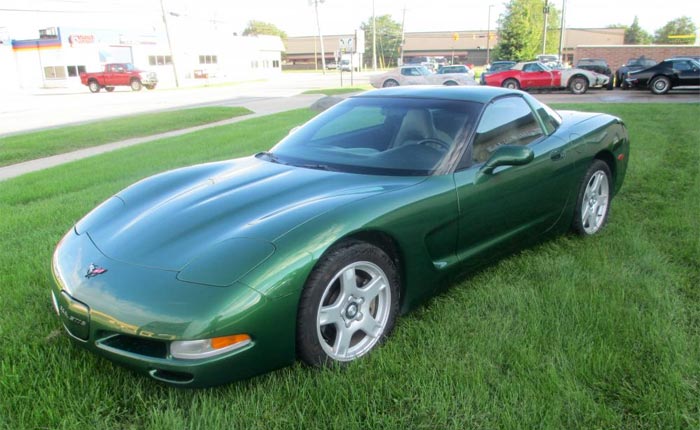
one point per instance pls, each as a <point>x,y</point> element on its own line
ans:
<point>334,91</point>
<point>601,333</point>
<point>30,146</point>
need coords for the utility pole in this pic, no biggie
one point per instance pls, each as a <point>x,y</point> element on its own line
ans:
<point>403,37</point>
<point>488,37</point>
<point>374,38</point>
<point>544,33</point>
<point>170,45</point>
<point>320,36</point>
<point>561,32</point>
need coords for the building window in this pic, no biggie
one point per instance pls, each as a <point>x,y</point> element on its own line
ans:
<point>160,60</point>
<point>75,71</point>
<point>55,72</point>
<point>276,64</point>
<point>208,59</point>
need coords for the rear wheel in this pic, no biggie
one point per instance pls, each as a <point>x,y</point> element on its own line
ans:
<point>578,85</point>
<point>94,86</point>
<point>136,85</point>
<point>109,89</point>
<point>150,87</point>
<point>390,83</point>
<point>511,84</point>
<point>660,85</point>
<point>593,202</point>
<point>348,305</point>
<point>450,83</point>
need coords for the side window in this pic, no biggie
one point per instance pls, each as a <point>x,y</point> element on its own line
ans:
<point>507,121</point>
<point>406,71</point>
<point>681,66</point>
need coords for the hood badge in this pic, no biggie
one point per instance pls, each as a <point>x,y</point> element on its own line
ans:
<point>94,270</point>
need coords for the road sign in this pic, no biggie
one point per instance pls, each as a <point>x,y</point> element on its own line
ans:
<point>346,44</point>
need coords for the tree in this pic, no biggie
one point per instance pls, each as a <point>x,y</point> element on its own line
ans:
<point>255,28</point>
<point>388,40</point>
<point>636,35</point>
<point>521,30</point>
<point>682,26</point>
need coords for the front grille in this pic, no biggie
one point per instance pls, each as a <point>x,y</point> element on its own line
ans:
<point>135,345</point>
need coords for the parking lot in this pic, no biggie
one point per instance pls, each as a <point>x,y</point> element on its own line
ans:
<point>23,111</point>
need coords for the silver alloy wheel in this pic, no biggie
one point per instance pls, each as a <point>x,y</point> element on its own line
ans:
<point>594,205</point>
<point>660,85</point>
<point>354,311</point>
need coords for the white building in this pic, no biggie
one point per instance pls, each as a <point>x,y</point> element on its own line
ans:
<point>57,57</point>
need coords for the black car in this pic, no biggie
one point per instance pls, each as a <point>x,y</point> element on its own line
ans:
<point>597,65</point>
<point>496,66</point>
<point>668,74</point>
<point>632,65</point>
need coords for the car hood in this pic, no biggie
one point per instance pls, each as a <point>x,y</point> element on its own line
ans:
<point>170,219</point>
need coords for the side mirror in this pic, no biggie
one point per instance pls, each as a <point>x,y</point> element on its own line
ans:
<point>507,155</point>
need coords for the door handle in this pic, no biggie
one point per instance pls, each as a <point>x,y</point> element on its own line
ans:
<point>557,154</point>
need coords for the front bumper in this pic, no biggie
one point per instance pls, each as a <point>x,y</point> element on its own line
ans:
<point>131,314</point>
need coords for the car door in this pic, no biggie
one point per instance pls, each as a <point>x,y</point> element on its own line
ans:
<point>688,73</point>
<point>412,76</point>
<point>513,203</point>
<point>534,76</point>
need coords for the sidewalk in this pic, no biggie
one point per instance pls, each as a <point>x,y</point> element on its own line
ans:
<point>260,108</point>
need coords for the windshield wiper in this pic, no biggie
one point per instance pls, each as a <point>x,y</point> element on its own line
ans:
<point>317,166</point>
<point>269,156</point>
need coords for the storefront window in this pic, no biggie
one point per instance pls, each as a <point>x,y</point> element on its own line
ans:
<point>55,72</point>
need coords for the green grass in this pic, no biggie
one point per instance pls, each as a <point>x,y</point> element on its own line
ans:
<point>334,91</point>
<point>29,146</point>
<point>597,333</point>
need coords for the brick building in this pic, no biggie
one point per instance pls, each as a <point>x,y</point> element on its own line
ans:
<point>617,55</point>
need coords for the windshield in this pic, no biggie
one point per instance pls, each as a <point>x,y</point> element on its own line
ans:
<point>379,135</point>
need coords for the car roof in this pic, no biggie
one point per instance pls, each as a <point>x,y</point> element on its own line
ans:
<point>479,94</point>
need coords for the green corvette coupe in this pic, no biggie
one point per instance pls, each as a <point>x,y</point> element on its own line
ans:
<point>220,271</point>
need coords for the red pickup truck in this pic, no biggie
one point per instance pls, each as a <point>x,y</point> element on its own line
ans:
<point>118,74</point>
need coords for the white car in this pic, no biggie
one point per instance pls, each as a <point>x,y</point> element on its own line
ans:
<point>418,75</point>
<point>456,69</point>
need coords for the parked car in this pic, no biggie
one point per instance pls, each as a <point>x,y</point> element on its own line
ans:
<point>633,64</point>
<point>456,68</point>
<point>496,66</point>
<point>666,75</point>
<point>417,75</point>
<point>597,65</point>
<point>220,271</point>
<point>119,74</point>
<point>535,75</point>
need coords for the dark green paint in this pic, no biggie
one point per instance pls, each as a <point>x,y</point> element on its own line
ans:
<point>225,248</point>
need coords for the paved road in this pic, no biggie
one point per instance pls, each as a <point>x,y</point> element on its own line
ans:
<point>22,111</point>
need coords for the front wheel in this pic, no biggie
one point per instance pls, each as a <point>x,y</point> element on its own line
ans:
<point>348,305</point>
<point>109,89</point>
<point>660,85</point>
<point>94,87</point>
<point>578,85</point>
<point>136,85</point>
<point>511,84</point>
<point>390,83</point>
<point>593,202</point>
<point>150,87</point>
<point>450,83</point>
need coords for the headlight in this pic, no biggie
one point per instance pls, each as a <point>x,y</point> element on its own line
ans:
<point>196,349</point>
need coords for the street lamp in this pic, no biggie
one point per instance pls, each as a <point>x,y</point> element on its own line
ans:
<point>544,33</point>
<point>561,32</point>
<point>488,37</point>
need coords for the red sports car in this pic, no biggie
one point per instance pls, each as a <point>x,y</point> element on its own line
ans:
<point>534,74</point>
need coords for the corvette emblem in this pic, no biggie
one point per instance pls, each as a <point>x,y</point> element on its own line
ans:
<point>94,270</point>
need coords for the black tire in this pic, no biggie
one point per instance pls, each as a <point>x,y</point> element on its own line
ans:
<point>611,83</point>
<point>150,87</point>
<point>593,201</point>
<point>390,83</point>
<point>109,89</point>
<point>450,83</point>
<point>511,83</point>
<point>660,85</point>
<point>136,85</point>
<point>94,86</point>
<point>618,80</point>
<point>324,287</point>
<point>578,85</point>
